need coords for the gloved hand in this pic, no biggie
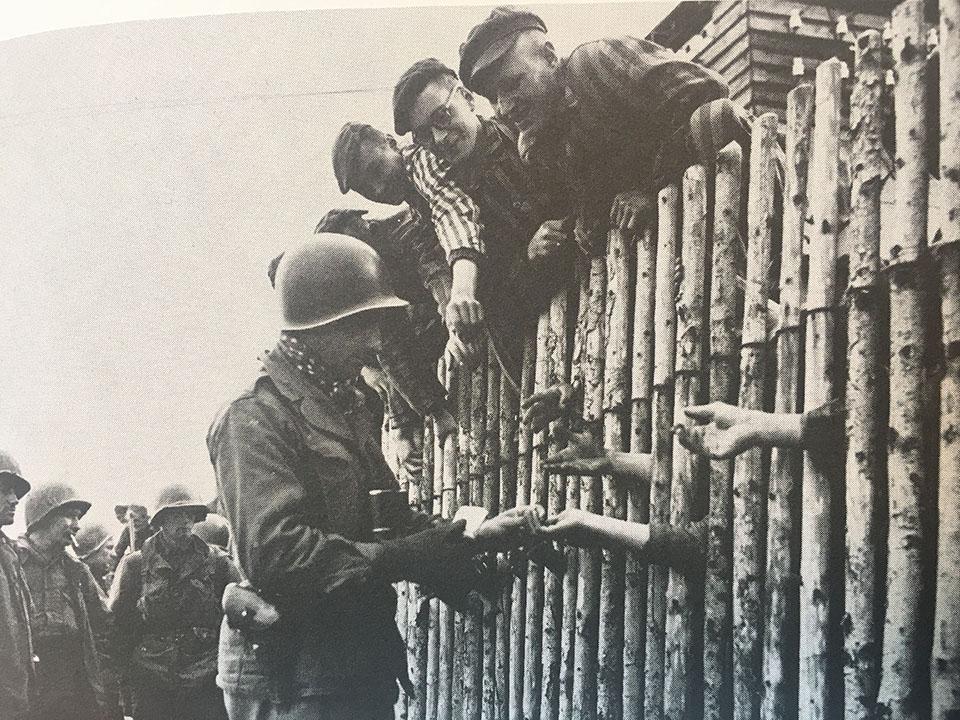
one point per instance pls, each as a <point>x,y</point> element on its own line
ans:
<point>426,556</point>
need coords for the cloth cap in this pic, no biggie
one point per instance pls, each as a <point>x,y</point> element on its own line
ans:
<point>409,87</point>
<point>348,149</point>
<point>487,42</point>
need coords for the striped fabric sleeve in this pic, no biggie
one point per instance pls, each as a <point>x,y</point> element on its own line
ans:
<point>455,215</point>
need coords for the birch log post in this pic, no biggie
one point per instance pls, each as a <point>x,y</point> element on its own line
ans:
<point>508,498</point>
<point>533,637</point>
<point>616,408</point>
<point>465,416</point>
<point>904,645</point>
<point>588,579</point>
<point>390,452</point>
<point>725,332</point>
<point>680,672</point>
<point>945,667</point>
<point>749,484</point>
<point>638,497</point>
<point>783,507</point>
<point>518,601</point>
<point>557,372</point>
<point>865,381</point>
<point>446,619</point>
<point>433,631</point>
<point>664,358</point>
<point>417,622</point>
<point>473,617</point>
<point>492,614</point>
<point>816,655</point>
<point>571,579</point>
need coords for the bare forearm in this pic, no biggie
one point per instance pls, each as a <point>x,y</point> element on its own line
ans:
<point>635,467</point>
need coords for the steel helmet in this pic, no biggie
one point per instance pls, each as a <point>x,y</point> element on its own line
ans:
<point>213,530</point>
<point>10,470</point>
<point>90,539</point>
<point>48,499</point>
<point>329,277</point>
<point>176,497</point>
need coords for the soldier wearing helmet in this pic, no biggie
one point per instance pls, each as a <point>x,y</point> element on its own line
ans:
<point>167,596</point>
<point>296,457</point>
<point>69,608</point>
<point>16,660</point>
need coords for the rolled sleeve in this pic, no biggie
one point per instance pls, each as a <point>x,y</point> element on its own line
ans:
<point>255,464</point>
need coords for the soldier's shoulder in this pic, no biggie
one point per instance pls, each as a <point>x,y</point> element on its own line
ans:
<point>258,402</point>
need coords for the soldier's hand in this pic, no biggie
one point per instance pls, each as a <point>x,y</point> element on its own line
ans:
<point>721,430</point>
<point>541,408</point>
<point>630,210</point>
<point>547,241</point>
<point>583,455</point>
<point>426,556</point>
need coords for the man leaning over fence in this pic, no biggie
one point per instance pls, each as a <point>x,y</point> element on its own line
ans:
<point>622,116</point>
<point>499,220</point>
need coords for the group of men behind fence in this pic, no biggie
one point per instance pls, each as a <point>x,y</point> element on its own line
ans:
<point>495,213</point>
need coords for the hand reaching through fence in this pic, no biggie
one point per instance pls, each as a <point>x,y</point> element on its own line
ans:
<point>584,455</point>
<point>542,408</point>
<point>724,430</point>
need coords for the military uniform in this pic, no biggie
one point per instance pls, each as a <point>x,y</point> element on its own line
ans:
<point>167,602</point>
<point>16,660</point>
<point>68,609</point>
<point>294,461</point>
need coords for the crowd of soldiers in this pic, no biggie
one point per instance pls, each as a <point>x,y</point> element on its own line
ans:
<point>298,621</point>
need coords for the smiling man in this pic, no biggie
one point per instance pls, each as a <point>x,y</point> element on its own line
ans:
<point>498,219</point>
<point>16,660</point>
<point>68,607</point>
<point>623,115</point>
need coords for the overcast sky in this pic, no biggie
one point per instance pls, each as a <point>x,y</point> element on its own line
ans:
<point>150,171</point>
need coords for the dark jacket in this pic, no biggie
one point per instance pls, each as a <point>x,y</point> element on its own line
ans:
<point>16,660</point>
<point>85,598</point>
<point>293,470</point>
<point>169,603</point>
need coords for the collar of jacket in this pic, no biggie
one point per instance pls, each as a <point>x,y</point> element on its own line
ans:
<point>159,552</point>
<point>30,549</point>
<point>318,409</point>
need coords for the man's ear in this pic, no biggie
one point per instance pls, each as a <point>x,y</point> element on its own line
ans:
<point>549,53</point>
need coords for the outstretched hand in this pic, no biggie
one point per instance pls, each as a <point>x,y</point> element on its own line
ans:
<point>513,527</point>
<point>583,455</point>
<point>541,408</point>
<point>722,430</point>
<point>573,526</point>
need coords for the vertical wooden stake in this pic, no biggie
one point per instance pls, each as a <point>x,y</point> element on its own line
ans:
<point>725,331</point>
<point>508,498</point>
<point>616,408</point>
<point>749,484</point>
<point>638,510</point>
<point>945,667</point>
<point>681,669</point>
<point>781,641</point>
<point>492,615</point>
<point>557,371</point>
<point>668,207</point>
<point>588,587</point>
<point>818,652</point>
<point>518,602</point>
<point>865,382</point>
<point>448,505</point>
